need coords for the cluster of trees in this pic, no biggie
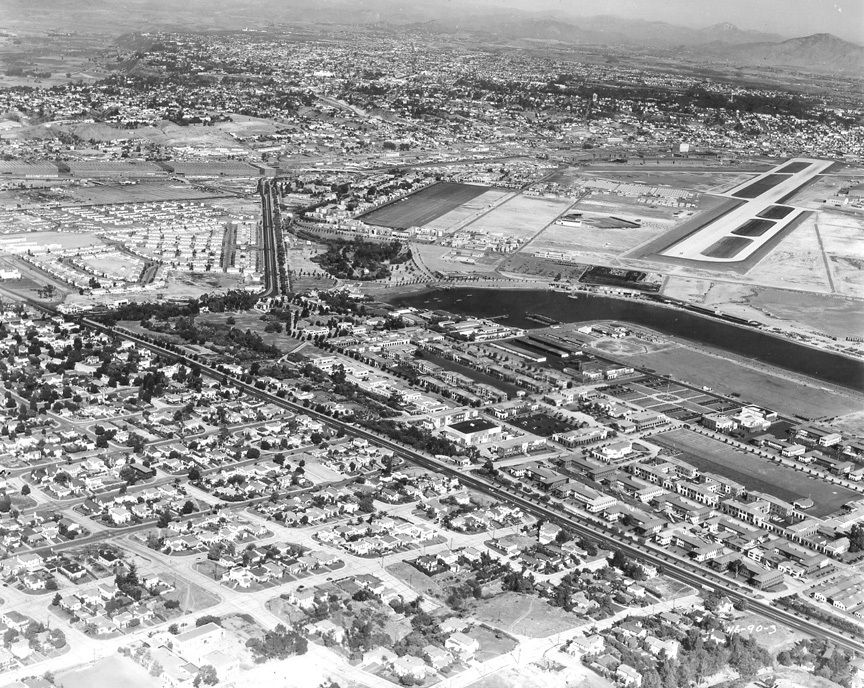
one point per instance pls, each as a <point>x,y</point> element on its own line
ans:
<point>31,633</point>
<point>365,633</point>
<point>813,612</point>
<point>280,643</point>
<point>412,435</point>
<point>362,260</point>
<point>827,660</point>
<point>425,629</point>
<point>518,581</point>
<point>697,661</point>
<point>856,538</point>
<point>128,583</point>
<point>628,566</point>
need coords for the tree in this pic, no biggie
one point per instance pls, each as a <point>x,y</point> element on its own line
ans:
<point>194,474</point>
<point>172,604</point>
<point>56,601</point>
<point>25,490</point>
<point>5,503</point>
<point>279,643</point>
<point>208,618</point>
<point>206,675</point>
<point>174,629</point>
<point>188,507</point>
<point>164,519</point>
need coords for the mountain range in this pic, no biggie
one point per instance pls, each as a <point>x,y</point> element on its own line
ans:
<point>723,43</point>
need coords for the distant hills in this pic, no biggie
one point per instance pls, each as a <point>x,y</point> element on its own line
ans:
<point>606,30</point>
<point>819,52</point>
<point>721,42</point>
<point>724,42</point>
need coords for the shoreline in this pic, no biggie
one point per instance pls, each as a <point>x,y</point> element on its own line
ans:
<point>397,292</point>
<point>855,377</point>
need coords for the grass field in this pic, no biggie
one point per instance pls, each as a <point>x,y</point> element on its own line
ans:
<point>525,615</point>
<point>760,186</point>
<point>755,386</point>
<point>755,473</point>
<point>776,212</point>
<point>418,581</point>
<point>491,645</point>
<point>424,206</point>
<point>727,247</point>
<point>754,228</point>
<point>192,598</point>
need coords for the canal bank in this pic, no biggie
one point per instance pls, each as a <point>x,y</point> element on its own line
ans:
<point>514,306</point>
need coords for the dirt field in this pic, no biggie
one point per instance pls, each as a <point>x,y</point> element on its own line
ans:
<point>797,263</point>
<point>525,615</point>
<point>520,217</point>
<point>136,193</point>
<point>799,678</point>
<point>108,673</point>
<point>718,181</point>
<point>831,315</point>
<point>772,636</point>
<point>785,394</point>
<point>467,210</point>
<point>64,239</point>
<point>446,260</point>
<point>841,236</point>
<point>534,676</point>
<point>588,242</point>
<point>754,472</point>
<point>418,581</point>
<point>625,347</point>
<point>851,424</point>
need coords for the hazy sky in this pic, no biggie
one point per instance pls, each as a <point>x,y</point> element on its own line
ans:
<point>844,18</point>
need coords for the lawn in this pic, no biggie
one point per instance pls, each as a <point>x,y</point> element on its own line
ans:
<point>424,206</point>
<point>541,424</point>
<point>754,472</point>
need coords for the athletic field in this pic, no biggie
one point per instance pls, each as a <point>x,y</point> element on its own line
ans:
<point>755,473</point>
<point>424,206</point>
